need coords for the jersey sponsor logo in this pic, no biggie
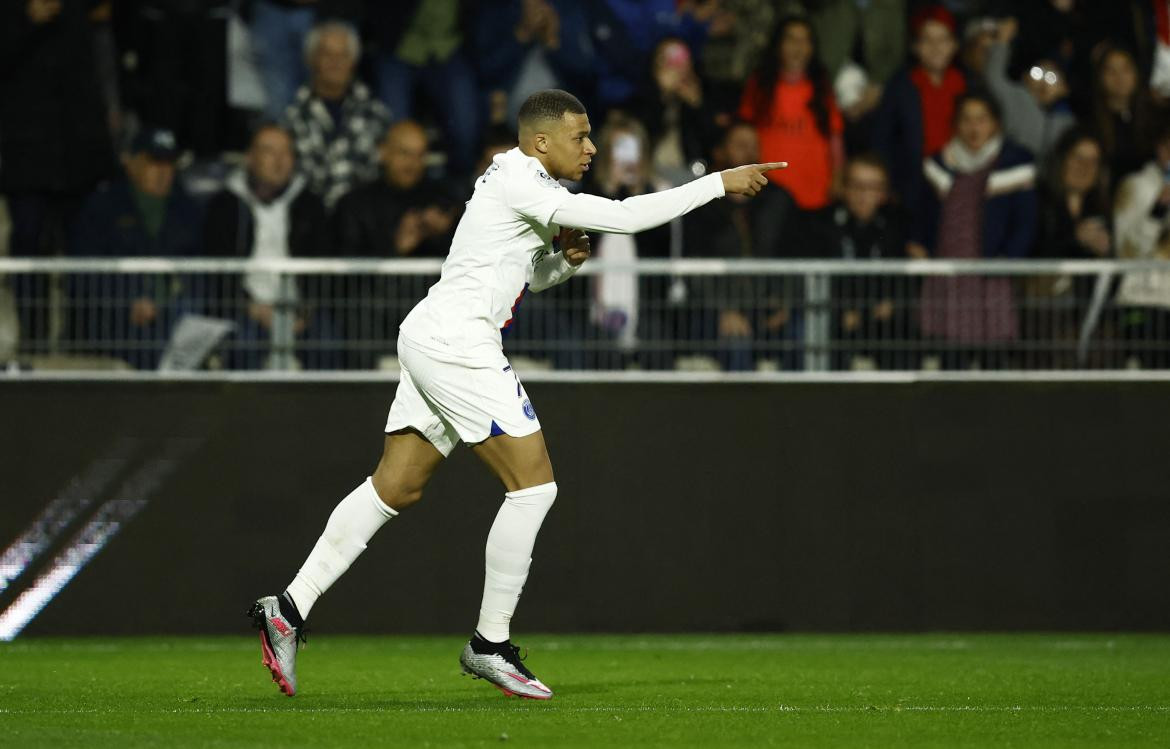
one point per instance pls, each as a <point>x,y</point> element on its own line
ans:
<point>529,411</point>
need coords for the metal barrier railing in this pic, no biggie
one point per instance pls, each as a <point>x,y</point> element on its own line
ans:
<point>691,314</point>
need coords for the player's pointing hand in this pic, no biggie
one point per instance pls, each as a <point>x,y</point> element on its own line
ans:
<point>749,179</point>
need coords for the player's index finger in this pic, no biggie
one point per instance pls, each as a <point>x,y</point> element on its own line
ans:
<point>772,165</point>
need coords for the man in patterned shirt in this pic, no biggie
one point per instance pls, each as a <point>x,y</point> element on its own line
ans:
<point>336,122</point>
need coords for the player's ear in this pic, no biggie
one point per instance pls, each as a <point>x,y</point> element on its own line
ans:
<point>540,142</point>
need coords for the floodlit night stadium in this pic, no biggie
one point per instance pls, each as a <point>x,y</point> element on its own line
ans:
<point>551,373</point>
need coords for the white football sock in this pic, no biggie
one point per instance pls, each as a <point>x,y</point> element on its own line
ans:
<point>508,556</point>
<point>352,524</point>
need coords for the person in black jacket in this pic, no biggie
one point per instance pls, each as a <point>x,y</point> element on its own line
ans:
<point>146,213</point>
<point>55,143</point>
<point>265,211</point>
<point>1076,223</point>
<point>871,314</point>
<point>404,214</point>
<point>749,318</point>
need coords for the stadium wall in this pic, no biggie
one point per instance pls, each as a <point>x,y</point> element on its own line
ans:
<point>733,507</point>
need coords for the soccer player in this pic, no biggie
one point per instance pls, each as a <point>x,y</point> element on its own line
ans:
<point>521,231</point>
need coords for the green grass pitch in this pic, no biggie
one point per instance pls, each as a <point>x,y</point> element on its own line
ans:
<point>945,690</point>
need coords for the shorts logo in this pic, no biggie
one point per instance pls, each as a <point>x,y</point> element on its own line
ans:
<point>529,411</point>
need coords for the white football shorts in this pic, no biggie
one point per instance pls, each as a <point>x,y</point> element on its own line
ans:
<point>448,400</point>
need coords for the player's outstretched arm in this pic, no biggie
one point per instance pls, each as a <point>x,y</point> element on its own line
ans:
<point>643,212</point>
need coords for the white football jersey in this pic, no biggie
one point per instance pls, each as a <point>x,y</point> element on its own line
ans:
<point>505,231</point>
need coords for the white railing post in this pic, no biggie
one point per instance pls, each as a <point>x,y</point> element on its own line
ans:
<point>816,322</point>
<point>283,317</point>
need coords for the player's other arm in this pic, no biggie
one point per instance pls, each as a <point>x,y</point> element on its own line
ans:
<point>558,267</point>
<point>643,212</point>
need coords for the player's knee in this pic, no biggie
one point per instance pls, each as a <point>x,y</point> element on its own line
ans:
<point>393,493</point>
<point>539,496</point>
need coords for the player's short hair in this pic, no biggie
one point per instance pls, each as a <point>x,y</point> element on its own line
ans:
<point>551,104</point>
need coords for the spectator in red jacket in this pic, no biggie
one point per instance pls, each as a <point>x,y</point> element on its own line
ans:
<point>915,118</point>
<point>790,101</point>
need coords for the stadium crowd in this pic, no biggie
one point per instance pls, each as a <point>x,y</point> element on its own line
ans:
<point>341,128</point>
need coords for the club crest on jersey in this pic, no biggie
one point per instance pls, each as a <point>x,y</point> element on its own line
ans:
<point>529,411</point>
<point>546,179</point>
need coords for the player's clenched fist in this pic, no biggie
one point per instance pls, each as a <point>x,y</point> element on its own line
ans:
<point>575,246</point>
<point>749,179</point>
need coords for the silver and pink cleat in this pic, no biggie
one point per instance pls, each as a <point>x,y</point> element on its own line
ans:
<point>501,665</point>
<point>278,642</point>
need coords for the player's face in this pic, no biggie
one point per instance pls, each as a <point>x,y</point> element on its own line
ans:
<point>569,148</point>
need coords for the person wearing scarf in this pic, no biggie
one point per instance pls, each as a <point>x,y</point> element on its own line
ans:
<point>980,203</point>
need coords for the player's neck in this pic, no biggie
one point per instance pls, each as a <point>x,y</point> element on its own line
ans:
<point>529,150</point>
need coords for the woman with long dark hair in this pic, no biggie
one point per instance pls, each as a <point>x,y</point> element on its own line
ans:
<point>1123,112</point>
<point>1076,222</point>
<point>1075,209</point>
<point>790,101</point>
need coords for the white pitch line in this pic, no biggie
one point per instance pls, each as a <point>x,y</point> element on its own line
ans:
<point>717,709</point>
<point>781,643</point>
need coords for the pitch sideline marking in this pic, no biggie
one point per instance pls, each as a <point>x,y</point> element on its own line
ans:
<point>819,709</point>
<point>791,644</point>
